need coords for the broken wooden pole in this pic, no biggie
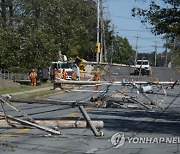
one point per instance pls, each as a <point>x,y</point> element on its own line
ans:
<point>62,81</point>
<point>27,123</point>
<point>56,123</point>
<point>49,101</point>
<point>15,108</point>
<point>86,116</point>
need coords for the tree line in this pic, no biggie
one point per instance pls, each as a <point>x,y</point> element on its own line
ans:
<point>33,32</point>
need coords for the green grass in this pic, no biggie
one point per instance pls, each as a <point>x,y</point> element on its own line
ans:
<point>21,88</point>
<point>39,94</point>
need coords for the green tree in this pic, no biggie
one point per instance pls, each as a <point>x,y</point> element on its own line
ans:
<point>44,27</point>
<point>164,18</point>
<point>122,51</point>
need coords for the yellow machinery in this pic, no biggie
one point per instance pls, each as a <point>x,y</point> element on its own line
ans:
<point>81,63</point>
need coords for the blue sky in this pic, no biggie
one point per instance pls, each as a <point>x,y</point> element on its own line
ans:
<point>119,12</point>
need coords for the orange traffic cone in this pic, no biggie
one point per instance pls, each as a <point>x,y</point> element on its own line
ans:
<point>95,88</point>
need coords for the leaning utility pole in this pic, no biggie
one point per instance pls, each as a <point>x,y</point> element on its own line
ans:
<point>98,9</point>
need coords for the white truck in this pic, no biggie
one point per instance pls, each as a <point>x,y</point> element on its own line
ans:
<point>69,67</point>
<point>142,67</point>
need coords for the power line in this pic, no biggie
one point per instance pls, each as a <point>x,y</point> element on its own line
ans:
<point>122,17</point>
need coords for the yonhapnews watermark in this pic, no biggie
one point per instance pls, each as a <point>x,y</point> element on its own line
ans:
<point>119,140</point>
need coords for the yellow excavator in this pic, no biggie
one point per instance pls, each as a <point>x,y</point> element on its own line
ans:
<point>81,63</point>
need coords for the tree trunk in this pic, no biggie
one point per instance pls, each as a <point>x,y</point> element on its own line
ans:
<point>11,14</point>
<point>3,13</point>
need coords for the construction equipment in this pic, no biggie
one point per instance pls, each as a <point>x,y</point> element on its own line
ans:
<point>81,63</point>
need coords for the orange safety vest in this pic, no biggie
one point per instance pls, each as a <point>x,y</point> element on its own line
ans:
<point>64,74</point>
<point>56,72</point>
<point>33,75</point>
<point>96,77</point>
<point>73,75</point>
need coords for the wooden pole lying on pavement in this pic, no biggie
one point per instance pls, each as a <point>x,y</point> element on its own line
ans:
<point>28,123</point>
<point>61,81</point>
<point>55,123</point>
<point>86,116</point>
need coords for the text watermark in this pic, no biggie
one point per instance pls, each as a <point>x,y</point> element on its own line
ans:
<point>119,140</point>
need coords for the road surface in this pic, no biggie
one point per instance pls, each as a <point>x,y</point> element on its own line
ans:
<point>134,123</point>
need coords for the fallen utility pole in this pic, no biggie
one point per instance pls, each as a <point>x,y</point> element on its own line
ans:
<point>13,107</point>
<point>46,125</point>
<point>50,101</point>
<point>88,119</point>
<point>28,123</point>
<point>55,123</point>
<point>61,81</point>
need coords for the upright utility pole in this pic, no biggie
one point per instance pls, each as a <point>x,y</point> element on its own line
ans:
<point>112,47</point>
<point>104,43</point>
<point>101,31</point>
<point>165,62</point>
<point>97,53</point>
<point>155,54</point>
<point>136,53</point>
<point>174,48</point>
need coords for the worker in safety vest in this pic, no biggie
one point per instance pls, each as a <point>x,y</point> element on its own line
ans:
<point>96,77</point>
<point>59,75</point>
<point>64,74</point>
<point>56,72</point>
<point>73,75</point>
<point>33,77</point>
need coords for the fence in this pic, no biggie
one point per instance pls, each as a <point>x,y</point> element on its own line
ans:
<point>6,75</point>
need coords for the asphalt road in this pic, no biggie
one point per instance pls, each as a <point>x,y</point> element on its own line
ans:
<point>135,123</point>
